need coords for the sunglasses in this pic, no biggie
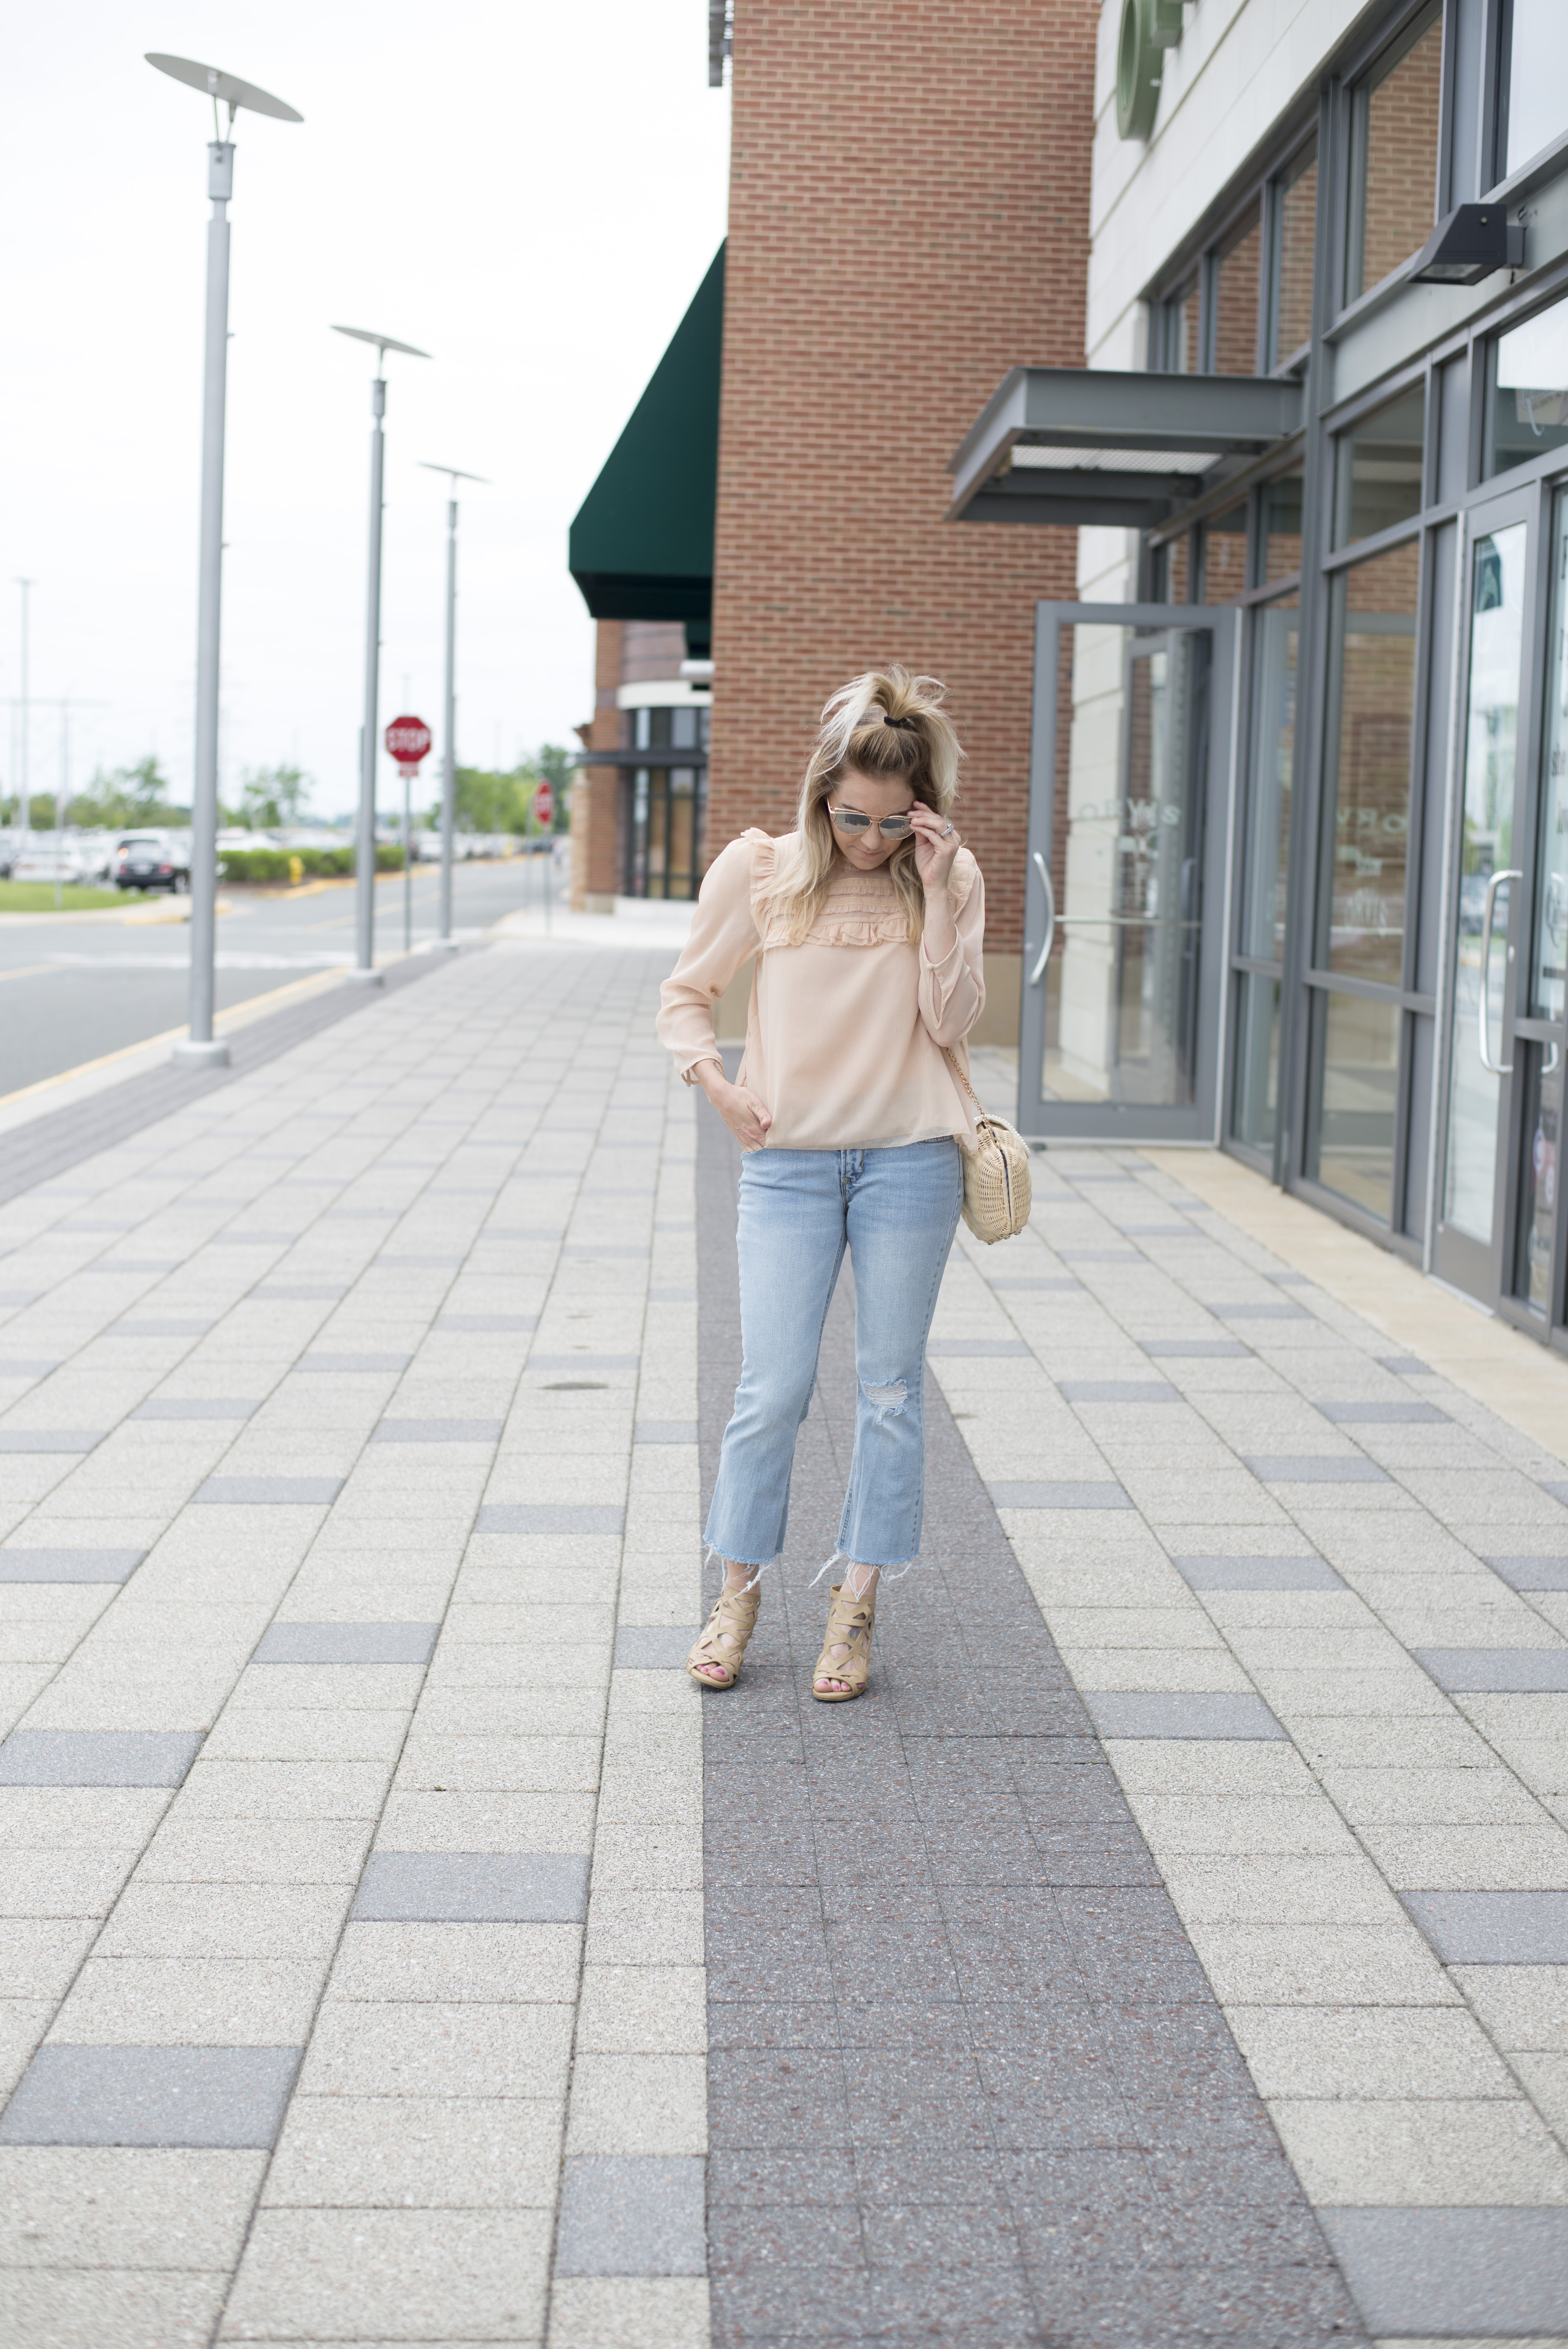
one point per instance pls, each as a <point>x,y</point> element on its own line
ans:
<point>892,827</point>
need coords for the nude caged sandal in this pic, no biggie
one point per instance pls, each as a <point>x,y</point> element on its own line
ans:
<point>724,1637</point>
<point>849,1623</point>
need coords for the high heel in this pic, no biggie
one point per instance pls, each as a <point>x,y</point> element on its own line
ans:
<point>724,1638</point>
<point>850,1622</point>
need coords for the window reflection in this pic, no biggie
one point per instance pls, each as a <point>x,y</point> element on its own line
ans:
<point>1534,80</point>
<point>1236,279</point>
<point>1372,650</point>
<point>1277,630</point>
<point>1486,843</point>
<point>1549,960</point>
<point>1282,529</point>
<point>1257,1060</point>
<point>1356,1068</point>
<point>1183,352</point>
<point>1225,555</point>
<point>1527,390</point>
<point>1378,469</point>
<point>1539,1172</point>
<point>1394,136</point>
<point>1295,235</point>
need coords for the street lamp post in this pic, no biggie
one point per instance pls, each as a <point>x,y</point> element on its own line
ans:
<point>364,860</point>
<point>449,710</point>
<point>200,1049</point>
<point>24,787</point>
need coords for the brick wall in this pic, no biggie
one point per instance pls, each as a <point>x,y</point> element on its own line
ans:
<point>909,218</point>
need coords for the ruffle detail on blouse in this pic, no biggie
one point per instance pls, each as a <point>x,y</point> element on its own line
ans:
<point>861,909</point>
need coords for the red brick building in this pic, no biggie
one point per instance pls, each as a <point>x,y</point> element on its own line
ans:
<point>908,219</point>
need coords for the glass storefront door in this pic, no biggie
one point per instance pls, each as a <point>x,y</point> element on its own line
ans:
<point>1498,1231</point>
<point>1128,818</point>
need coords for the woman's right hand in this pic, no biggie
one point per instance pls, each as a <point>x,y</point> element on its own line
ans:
<point>747,1116</point>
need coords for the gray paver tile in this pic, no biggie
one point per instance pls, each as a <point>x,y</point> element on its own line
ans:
<point>1500,2272</point>
<point>1070,1494</point>
<point>479,1888</point>
<point>549,1518</point>
<point>1493,1929</point>
<point>1132,1713</point>
<point>1521,1670</point>
<point>19,1565</point>
<point>346,1643</point>
<point>152,2096</point>
<point>1225,1573</point>
<point>632,2215</point>
<point>1315,1468</point>
<point>63,1757</point>
<point>640,1648</point>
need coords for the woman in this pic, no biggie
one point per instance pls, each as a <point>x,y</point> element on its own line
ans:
<point>866,923</point>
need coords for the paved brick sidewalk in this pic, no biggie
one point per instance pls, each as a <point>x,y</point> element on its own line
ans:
<point>350,1480</point>
<point>352,1966</point>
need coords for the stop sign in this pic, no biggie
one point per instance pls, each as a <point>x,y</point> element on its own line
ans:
<point>408,741</point>
<point>543,805</point>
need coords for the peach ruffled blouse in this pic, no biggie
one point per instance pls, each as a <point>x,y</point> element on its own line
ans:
<point>845,1037</point>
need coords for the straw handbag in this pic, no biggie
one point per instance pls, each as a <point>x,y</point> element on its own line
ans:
<point>996,1189</point>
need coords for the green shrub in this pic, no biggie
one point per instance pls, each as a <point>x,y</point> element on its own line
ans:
<point>263,864</point>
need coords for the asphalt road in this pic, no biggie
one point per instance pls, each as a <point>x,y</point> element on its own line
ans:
<point>72,990</point>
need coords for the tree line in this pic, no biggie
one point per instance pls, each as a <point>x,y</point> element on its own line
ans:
<point>276,798</point>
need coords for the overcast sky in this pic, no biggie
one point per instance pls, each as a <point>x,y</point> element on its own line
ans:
<point>530,192</point>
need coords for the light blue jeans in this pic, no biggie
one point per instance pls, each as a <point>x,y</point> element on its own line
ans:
<point>896,1211</point>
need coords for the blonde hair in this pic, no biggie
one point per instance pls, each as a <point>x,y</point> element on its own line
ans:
<point>889,724</point>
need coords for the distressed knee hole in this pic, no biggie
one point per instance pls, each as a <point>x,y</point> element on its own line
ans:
<point>885,1399</point>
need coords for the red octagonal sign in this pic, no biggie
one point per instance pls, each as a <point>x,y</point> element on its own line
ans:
<point>408,741</point>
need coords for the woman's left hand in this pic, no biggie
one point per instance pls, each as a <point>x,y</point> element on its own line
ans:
<point>936,843</point>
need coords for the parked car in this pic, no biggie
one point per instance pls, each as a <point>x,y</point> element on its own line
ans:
<point>153,860</point>
<point>42,861</point>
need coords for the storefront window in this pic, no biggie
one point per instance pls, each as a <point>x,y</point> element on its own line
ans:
<point>1492,737</point>
<point>1372,649</point>
<point>1225,555</point>
<point>1277,631</point>
<point>1537,91</point>
<point>1394,156</point>
<point>1356,1071</point>
<point>1282,529</point>
<point>1183,352</point>
<point>1378,469</point>
<point>1257,1060</point>
<point>1290,275</point>
<point>1237,272</point>
<point>1527,390</point>
<point>1549,966</point>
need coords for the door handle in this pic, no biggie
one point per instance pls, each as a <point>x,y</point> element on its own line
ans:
<point>1493,1068</point>
<point>1042,868</point>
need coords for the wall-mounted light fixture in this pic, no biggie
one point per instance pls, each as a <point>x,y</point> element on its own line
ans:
<point>1467,246</point>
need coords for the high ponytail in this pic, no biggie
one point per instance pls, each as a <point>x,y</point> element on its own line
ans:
<point>889,724</point>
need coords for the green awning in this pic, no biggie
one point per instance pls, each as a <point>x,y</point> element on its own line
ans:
<point>641,546</point>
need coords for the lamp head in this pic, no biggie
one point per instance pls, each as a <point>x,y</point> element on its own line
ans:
<point>384,342</point>
<point>226,87</point>
<point>450,471</point>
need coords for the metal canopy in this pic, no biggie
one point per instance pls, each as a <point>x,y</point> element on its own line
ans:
<point>1088,445</point>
